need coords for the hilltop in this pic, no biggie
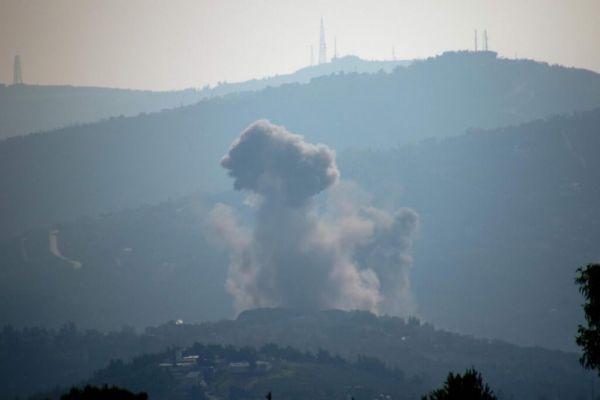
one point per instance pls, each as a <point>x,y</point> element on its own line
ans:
<point>346,64</point>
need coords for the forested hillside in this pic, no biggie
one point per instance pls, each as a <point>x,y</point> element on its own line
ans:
<point>420,355</point>
<point>139,267</point>
<point>493,224</point>
<point>226,372</point>
<point>125,162</point>
<point>502,212</point>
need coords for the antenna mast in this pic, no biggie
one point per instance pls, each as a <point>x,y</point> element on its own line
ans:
<point>476,47</point>
<point>322,45</point>
<point>17,72</point>
<point>485,40</point>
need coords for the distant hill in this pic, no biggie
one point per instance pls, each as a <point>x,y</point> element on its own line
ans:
<point>346,64</point>
<point>507,215</point>
<point>502,211</point>
<point>226,372</point>
<point>34,108</point>
<point>420,355</point>
<point>162,254</point>
<point>124,162</point>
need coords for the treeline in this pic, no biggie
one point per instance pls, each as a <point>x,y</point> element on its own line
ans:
<point>291,374</point>
<point>35,360</point>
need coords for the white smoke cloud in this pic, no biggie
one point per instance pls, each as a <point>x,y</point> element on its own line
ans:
<point>350,256</point>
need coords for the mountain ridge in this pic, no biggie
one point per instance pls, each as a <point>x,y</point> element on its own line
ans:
<point>96,163</point>
<point>27,108</point>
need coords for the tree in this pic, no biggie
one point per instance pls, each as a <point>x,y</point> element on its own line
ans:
<point>588,337</point>
<point>102,393</point>
<point>469,386</point>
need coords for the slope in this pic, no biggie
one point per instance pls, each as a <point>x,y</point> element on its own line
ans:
<point>33,108</point>
<point>125,162</point>
<point>502,212</point>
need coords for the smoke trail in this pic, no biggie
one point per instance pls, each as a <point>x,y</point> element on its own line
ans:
<point>351,257</point>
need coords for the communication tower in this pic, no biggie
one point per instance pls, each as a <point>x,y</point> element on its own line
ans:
<point>17,72</point>
<point>485,40</point>
<point>322,44</point>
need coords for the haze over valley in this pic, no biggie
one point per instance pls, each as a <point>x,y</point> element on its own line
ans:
<point>354,228</point>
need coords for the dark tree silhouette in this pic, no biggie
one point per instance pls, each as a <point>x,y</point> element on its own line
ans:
<point>102,393</point>
<point>588,337</point>
<point>468,386</point>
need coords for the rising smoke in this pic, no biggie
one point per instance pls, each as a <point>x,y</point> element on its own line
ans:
<point>350,256</point>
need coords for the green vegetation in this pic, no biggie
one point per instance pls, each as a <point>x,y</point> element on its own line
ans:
<point>102,393</point>
<point>36,360</point>
<point>588,337</point>
<point>227,372</point>
<point>493,224</point>
<point>468,386</point>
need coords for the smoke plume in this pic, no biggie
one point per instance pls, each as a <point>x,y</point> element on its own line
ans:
<point>349,256</point>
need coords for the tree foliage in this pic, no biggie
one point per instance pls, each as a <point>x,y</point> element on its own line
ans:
<point>588,337</point>
<point>102,393</point>
<point>468,386</point>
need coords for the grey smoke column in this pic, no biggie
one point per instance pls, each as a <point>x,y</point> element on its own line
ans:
<point>297,257</point>
<point>279,165</point>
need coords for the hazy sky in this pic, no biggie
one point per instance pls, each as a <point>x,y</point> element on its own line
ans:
<point>182,43</point>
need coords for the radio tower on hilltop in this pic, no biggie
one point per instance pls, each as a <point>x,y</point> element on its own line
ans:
<point>322,45</point>
<point>485,40</point>
<point>17,73</point>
